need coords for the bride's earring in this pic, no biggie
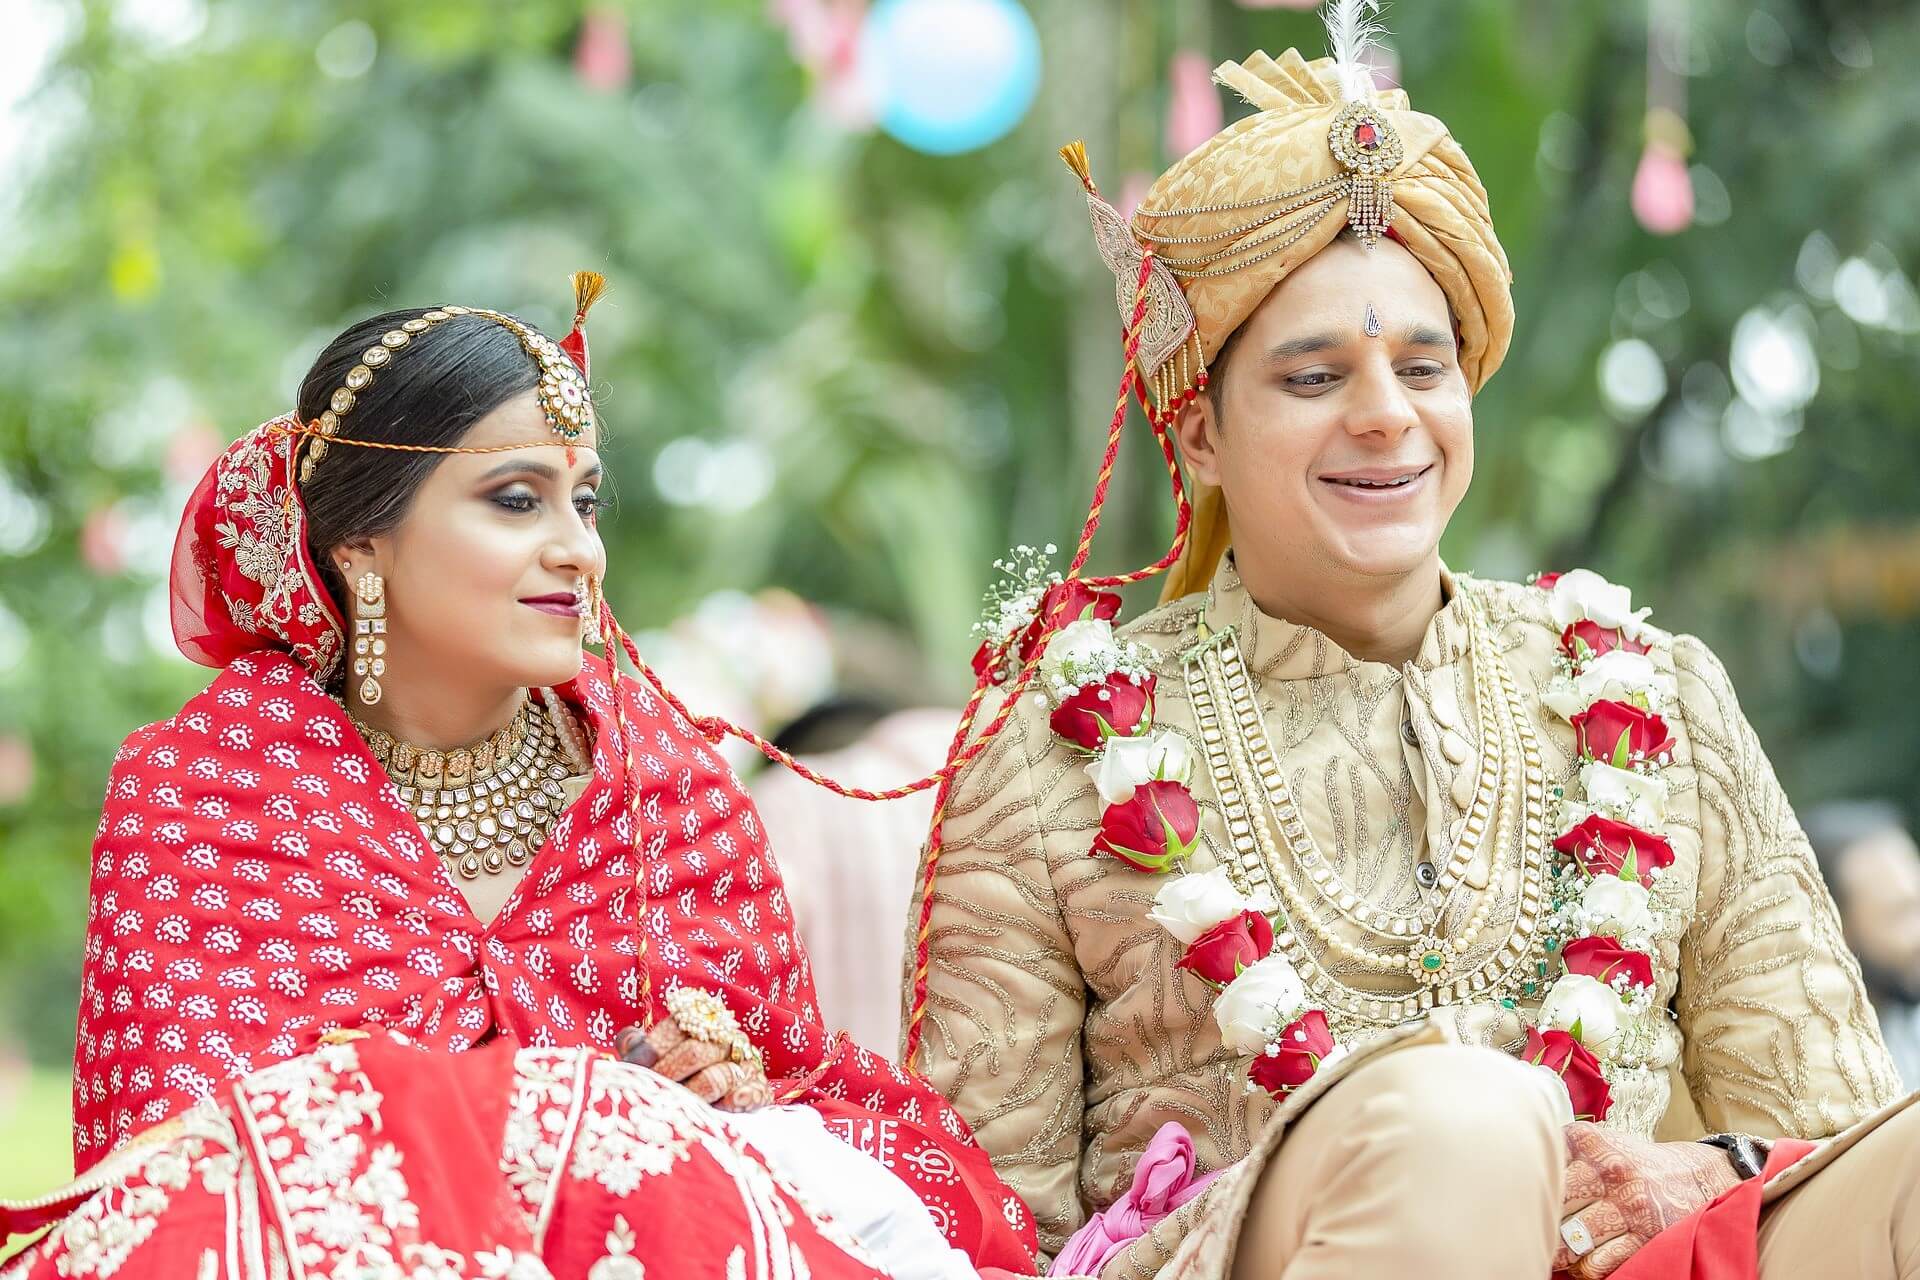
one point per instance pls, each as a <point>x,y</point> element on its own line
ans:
<point>590,609</point>
<point>370,635</point>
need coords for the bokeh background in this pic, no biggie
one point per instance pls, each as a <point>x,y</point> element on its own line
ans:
<point>858,340</point>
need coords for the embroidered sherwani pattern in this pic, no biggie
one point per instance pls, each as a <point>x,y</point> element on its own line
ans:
<point>1061,1028</point>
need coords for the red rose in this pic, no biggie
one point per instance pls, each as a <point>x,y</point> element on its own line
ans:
<point>1603,847</point>
<point>1545,581</point>
<point>1587,639</point>
<point>1619,732</point>
<point>1567,1058</point>
<point>1065,602</point>
<point>1114,708</point>
<point>988,664</point>
<point>1303,1044</point>
<point>1221,952</point>
<point>1155,829</point>
<point>1605,959</point>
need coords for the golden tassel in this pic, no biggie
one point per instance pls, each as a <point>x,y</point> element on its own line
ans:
<point>1075,154</point>
<point>587,288</point>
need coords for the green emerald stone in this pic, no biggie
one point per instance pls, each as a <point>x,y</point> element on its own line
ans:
<point>1527,988</point>
<point>1432,961</point>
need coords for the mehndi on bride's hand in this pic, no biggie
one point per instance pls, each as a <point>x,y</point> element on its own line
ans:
<point>703,1067</point>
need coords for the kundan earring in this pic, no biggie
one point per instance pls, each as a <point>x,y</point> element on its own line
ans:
<point>590,608</point>
<point>370,635</point>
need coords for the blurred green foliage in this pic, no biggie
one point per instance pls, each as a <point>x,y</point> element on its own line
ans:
<point>881,368</point>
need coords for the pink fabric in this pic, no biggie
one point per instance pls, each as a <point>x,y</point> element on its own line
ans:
<point>1163,1181</point>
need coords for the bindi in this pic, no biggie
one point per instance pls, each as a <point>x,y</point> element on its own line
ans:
<point>1371,325</point>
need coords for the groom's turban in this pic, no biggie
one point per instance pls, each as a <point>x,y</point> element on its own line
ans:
<point>1237,215</point>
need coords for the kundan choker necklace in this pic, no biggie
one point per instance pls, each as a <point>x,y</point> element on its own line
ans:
<point>488,806</point>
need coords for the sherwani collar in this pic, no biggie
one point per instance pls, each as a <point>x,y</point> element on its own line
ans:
<point>1292,651</point>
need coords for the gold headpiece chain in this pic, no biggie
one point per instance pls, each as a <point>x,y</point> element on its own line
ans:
<point>564,395</point>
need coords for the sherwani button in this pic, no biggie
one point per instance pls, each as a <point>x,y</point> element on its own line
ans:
<point>1427,874</point>
<point>1406,731</point>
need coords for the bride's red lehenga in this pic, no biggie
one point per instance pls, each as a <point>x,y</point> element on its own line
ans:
<point>257,883</point>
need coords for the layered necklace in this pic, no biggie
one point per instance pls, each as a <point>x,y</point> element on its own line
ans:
<point>1274,851</point>
<point>489,806</point>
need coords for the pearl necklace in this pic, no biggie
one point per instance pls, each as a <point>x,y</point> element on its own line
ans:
<point>1271,843</point>
<point>488,807</point>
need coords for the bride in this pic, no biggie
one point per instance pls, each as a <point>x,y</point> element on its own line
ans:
<point>398,878</point>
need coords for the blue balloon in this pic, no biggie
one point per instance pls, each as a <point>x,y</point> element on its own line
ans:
<point>947,76</point>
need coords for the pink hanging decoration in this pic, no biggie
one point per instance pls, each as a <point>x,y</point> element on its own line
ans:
<point>1662,196</point>
<point>16,780</point>
<point>1662,191</point>
<point>824,37</point>
<point>1193,105</point>
<point>602,58</point>
<point>103,537</point>
<point>1133,189</point>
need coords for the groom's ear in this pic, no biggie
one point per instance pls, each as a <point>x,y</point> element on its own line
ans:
<point>1196,428</point>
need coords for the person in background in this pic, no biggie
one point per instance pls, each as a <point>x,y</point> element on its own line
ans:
<point>846,880</point>
<point>1872,866</point>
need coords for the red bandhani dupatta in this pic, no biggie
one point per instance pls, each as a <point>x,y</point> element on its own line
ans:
<point>257,882</point>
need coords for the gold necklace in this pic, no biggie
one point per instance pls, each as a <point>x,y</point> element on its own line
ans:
<point>1243,764</point>
<point>484,819</point>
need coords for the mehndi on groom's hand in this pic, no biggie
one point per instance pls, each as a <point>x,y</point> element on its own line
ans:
<point>1620,1192</point>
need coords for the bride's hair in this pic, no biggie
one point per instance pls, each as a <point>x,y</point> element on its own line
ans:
<point>430,393</point>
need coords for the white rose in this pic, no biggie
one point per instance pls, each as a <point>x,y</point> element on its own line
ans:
<point>1616,908</point>
<point>1556,1091</point>
<point>1582,593</point>
<point>1267,995</point>
<point>1078,646</point>
<point>1126,763</point>
<point>1592,1005</point>
<point>1189,905</point>
<point>1616,675</point>
<point>1637,798</point>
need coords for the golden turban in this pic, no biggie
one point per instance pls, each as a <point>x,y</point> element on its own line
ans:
<point>1236,216</point>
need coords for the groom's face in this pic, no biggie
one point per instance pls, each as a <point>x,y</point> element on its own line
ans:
<point>1342,434</point>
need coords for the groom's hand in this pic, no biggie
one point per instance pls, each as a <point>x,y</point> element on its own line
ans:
<point>1621,1192</point>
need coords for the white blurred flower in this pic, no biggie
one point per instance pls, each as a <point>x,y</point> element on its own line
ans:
<point>1081,641</point>
<point>1267,995</point>
<point>1627,795</point>
<point>1615,675</point>
<point>1576,1000</point>
<point>1189,905</point>
<point>1582,593</point>
<point>1126,763</point>
<point>1615,908</point>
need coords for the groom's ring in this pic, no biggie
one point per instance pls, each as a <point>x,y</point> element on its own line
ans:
<point>1579,1239</point>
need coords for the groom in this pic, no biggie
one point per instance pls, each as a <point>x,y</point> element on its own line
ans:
<point>1323,871</point>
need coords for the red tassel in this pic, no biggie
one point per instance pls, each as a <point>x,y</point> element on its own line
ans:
<point>587,288</point>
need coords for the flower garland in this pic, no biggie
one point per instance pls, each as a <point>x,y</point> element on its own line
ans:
<point>1099,693</point>
<point>1592,1016</point>
<point>1612,814</point>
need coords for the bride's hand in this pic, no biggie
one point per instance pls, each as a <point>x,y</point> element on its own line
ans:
<point>703,1067</point>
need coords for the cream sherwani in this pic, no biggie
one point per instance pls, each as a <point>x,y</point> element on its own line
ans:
<point>1060,1027</point>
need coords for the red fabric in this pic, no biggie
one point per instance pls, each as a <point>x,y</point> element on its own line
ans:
<point>1722,1241</point>
<point>556,1165</point>
<point>242,578</point>
<point>256,882</point>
